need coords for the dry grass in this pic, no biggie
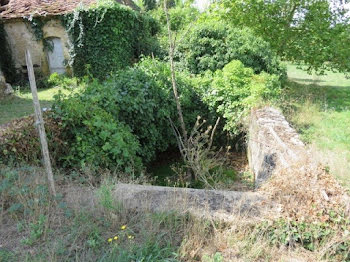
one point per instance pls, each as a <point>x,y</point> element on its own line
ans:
<point>318,107</point>
<point>81,233</point>
<point>240,240</point>
<point>336,161</point>
<point>307,191</point>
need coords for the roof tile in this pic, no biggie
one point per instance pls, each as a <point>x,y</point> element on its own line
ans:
<point>23,8</point>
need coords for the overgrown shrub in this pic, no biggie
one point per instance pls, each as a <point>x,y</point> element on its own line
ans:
<point>180,17</point>
<point>95,137</point>
<point>212,45</point>
<point>108,37</point>
<point>139,99</point>
<point>188,87</point>
<point>19,141</point>
<point>124,122</point>
<point>235,90</point>
<point>121,123</point>
<point>53,80</point>
<point>135,98</point>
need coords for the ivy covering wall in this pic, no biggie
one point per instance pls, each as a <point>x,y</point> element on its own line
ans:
<point>108,38</point>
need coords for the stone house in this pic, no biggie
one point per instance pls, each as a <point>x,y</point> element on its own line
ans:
<point>15,15</point>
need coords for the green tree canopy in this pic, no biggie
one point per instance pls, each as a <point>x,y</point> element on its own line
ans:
<point>313,32</point>
<point>210,45</point>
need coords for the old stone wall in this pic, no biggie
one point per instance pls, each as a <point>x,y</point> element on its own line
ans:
<point>20,37</point>
<point>216,204</point>
<point>272,144</point>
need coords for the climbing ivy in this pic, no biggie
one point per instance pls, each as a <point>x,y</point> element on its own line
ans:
<point>36,25</point>
<point>107,38</point>
<point>6,62</point>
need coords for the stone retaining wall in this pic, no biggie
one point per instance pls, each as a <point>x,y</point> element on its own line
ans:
<point>272,144</point>
<point>215,204</point>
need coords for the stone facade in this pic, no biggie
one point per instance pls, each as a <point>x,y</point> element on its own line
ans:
<point>20,38</point>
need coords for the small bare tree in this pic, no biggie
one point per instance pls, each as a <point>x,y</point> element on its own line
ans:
<point>173,78</point>
<point>196,149</point>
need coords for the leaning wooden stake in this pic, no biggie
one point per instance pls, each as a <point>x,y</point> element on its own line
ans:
<point>39,123</point>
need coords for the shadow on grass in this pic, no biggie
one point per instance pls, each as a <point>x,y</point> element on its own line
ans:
<point>328,97</point>
<point>306,80</point>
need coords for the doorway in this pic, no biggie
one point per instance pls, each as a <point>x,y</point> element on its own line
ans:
<point>55,56</point>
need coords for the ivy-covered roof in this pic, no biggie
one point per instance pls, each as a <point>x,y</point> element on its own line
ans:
<point>25,8</point>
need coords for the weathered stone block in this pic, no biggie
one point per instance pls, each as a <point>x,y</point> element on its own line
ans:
<point>216,204</point>
<point>272,144</point>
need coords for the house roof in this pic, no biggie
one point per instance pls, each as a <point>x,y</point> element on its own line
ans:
<point>23,8</point>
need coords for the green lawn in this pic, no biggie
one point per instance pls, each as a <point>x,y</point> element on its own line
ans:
<point>319,107</point>
<point>21,104</point>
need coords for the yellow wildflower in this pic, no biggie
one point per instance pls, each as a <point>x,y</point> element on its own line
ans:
<point>123,227</point>
<point>110,240</point>
<point>116,238</point>
<point>131,237</point>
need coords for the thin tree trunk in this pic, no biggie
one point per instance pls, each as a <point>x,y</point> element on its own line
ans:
<point>173,79</point>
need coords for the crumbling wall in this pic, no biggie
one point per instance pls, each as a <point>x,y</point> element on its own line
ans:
<point>272,144</point>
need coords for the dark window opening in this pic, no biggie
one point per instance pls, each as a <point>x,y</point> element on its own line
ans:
<point>25,67</point>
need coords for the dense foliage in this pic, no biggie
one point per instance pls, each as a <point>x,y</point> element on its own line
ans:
<point>212,45</point>
<point>95,137</point>
<point>236,89</point>
<point>107,38</point>
<point>180,17</point>
<point>125,120</point>
<point>315,33</point>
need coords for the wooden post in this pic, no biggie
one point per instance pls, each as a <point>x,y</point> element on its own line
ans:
<point>39,123</point>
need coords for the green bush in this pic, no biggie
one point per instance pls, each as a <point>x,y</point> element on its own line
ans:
<point>134,98</point>
<point>188,87</point>
<point>212,45</point>
<point>95,137</point>
<point>141,99</point>
<point>235,90</point>
<point>121,123</point>
<point>54,80</point>
<point>108,37</point>
<point>180,17</point>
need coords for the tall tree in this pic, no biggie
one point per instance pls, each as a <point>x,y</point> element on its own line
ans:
<point>314,32</point>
